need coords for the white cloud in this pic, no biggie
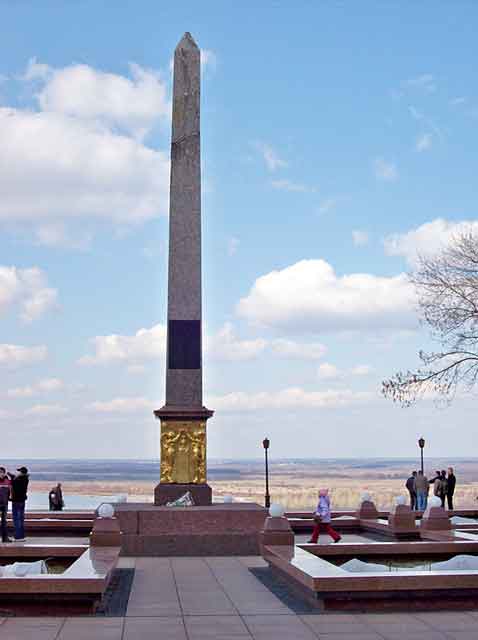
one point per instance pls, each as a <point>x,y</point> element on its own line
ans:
<point>232,246</point>
<point>149,344</point>
<point>327,371</point>
<point>80,156</point>
<point>145,344</point>
<point>289,349</point>
<point>131,104</point>
<point>47,385</point>
<point>291,398</point>
<point>28,289</point>
<point>225,345</point>
<point>362,370</point>
<point>56,235</point>
<point>424,82</point>
<point>46,410</point>
<point>289,185</point>
<point>426,239</point>
<point>36,70</point>
<point>309,296</point>
<point>14,355</point>
<point>121,405</point>
<point>208,59</point>
<point>55,167</point>
<point>136,369</point>
<point>424,142</point>
<point>271,157</point>
<point>385,170</point>
<point>418,115</point>
<point>359,238</point>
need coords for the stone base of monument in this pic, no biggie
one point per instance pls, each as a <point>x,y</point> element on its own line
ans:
<point>435,519</point>
<point>164,493</point>
<point>215,530</point>
<point>106,532</point>
<point>276,532</point>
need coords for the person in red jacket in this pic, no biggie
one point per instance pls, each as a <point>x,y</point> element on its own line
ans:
<point>5,488</point>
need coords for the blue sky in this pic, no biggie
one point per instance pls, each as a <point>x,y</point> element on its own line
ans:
<point>338,141</point>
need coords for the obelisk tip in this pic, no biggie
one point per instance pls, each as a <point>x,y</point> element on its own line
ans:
<point>187,42</point>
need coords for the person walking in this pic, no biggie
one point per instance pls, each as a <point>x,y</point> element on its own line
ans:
<point>55,498</point>
<point>422,486</point>
<point>19,497</point>
<point>450,488</point>
<point>323,518</point>
<point>412,490</point>
<point>5,487</point>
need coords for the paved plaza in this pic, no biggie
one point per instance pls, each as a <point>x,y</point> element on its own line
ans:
<point>220,599</point>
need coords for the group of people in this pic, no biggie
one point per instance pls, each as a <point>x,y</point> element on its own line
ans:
<point>443,485</point>
<point>418,486</point>
<point>13,487</point>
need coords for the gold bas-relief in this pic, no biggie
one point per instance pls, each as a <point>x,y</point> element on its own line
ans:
<point>183,452</point>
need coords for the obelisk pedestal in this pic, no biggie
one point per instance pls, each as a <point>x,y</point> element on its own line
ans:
<point>183,417</point>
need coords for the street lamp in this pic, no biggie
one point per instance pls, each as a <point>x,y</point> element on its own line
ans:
<point>265,444</point>
<point>421,444</point>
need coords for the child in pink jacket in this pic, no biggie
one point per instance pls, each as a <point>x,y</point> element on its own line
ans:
<point>322,519</point>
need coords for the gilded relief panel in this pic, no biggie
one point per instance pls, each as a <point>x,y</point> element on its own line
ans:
<point>183,452</point>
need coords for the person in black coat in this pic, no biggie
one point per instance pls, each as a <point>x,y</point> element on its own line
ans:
<point>5,488</point>
<point>412,490</point>
<point>56,498</point>
<point>450,488</point>
<point>18,498</point>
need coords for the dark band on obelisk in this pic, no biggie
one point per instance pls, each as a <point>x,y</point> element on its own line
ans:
<point>184,366</point>
<point>183,417</point>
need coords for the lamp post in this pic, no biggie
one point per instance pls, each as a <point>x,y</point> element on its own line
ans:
<point>265,444</point>
<point>421,444</point>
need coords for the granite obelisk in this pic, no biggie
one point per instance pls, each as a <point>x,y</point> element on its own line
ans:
<point>183,417</point>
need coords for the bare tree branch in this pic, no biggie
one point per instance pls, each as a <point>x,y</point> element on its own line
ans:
<point>447,290</point>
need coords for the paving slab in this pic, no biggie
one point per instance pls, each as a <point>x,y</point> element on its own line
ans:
<point>216,628</point>
<point>423,635</point>
<point>327,624</point>
<point>369,635</point>
<point>170,628</point>
<point>247,593</point>
<point>126,563</point>
<point>31,628</point>
<point>461,635</point>
<point>253,561</point>
<point>278,628</point>
<point>404,627</point>
<point>199,591</point>
<point>154,591</point>
<point>449,621</point>
<point>97,628</point>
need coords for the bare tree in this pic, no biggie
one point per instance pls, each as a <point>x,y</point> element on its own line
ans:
<point>447,289</point>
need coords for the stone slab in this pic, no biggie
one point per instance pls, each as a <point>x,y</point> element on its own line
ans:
<point>164,493</point>
<point>225,529</point>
